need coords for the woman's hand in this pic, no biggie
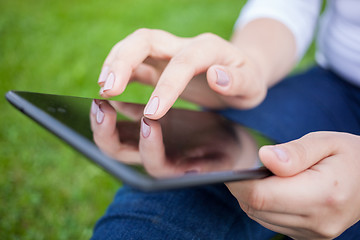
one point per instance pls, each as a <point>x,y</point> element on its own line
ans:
<point>315,193</point>
<point>169,63</point>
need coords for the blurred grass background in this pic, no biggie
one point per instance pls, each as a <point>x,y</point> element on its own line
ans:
<point>47,190</point>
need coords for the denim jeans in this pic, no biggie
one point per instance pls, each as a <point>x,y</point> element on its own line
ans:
<point>312,101</point>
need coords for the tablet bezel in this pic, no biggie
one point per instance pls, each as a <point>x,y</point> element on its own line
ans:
<point>119,170</point>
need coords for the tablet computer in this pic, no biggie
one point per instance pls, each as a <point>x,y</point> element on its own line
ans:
<point>185,148</point>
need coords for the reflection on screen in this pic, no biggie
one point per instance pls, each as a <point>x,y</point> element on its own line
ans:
<point>182,142</point>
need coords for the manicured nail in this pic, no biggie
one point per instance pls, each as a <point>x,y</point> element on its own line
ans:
<point>152,106</point>
<point>104,73</point>
<point>109,83</point>
<point>222,78</point>
<point>94,107</point>
<point>101,91</point>
<point>281,154</point>
<point>99,115</point>
<point>145,129</point>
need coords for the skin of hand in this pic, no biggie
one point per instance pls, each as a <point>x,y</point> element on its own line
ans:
<point>315,191</point>
<point>205,69</point>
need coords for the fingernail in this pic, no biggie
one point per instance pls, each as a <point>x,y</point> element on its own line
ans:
<point>104,73</point>
<point>99,115</point>
<point>109,83</point>
<point>222,78</point>
<point>101,91</point>
<point>281,154</point>
<point>145,129</point>
<point>152,106</point>
<point>94,107</point>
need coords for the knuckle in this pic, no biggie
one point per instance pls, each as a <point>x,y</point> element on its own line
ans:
<point>246,208</point>
<point>334,199</point>
<point>142,32</point>
<point>207,37</point>
<point>327,230</point>
<point>183,62</point>
<point>299,151</point>
<point>166,86</point>
<point>180,59</point>
<point>169,89</point>
<point>317,135</point>
<point>250,212</point>
<point>206,40</point>
<point>256,200</point>
<point>329,227</point>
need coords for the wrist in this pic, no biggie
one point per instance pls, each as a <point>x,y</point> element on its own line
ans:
<point>271,45</point>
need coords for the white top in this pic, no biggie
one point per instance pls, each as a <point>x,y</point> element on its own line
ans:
<point>338,29</point>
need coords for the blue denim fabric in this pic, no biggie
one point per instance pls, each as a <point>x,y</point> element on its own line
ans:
<point>317,100</point>
<point>312,101</point>
<point>209,212</point>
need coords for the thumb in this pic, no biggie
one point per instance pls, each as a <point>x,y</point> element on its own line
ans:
<point>239,86</point>
<point>294,157</point>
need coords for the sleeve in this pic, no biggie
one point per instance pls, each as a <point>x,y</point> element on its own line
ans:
<point>298,15</point>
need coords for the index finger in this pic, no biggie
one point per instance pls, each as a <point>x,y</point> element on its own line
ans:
<point>196,57</point>
<point>132,51</point>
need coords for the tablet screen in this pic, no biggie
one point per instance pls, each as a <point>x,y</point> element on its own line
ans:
<point>183,142</point>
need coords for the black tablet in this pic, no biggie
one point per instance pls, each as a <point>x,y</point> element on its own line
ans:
<point>185,148</point>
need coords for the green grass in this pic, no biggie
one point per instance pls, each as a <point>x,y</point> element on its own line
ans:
<point>47,190</point>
